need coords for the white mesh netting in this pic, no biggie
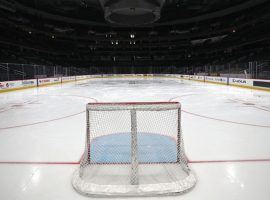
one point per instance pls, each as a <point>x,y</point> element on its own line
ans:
<point>133,149</point>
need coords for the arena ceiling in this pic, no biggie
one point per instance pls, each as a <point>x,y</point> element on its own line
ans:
<point>178,32</point>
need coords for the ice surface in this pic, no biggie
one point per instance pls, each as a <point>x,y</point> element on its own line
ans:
<point>220,123</point>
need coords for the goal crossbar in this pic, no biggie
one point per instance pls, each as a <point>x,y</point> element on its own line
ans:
<point>147,106</point>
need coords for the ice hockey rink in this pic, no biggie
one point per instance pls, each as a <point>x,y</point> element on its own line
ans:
<point>226,133</point>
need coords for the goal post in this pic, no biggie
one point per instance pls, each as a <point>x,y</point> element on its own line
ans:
<point>133,149</point>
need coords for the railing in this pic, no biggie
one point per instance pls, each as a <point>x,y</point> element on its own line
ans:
<point>14,71</point>
<point>252,69</point>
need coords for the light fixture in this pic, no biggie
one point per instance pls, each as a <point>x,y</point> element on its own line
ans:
<point>132,12</point>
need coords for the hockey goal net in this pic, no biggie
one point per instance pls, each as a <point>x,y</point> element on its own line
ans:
<point>133,149</point>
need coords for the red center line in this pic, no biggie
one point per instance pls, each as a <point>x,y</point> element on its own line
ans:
<point>228,161</point>
<point>190,162</point>
<point>38,163</point>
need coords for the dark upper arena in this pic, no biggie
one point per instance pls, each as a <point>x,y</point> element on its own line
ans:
<point>134,36</point>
